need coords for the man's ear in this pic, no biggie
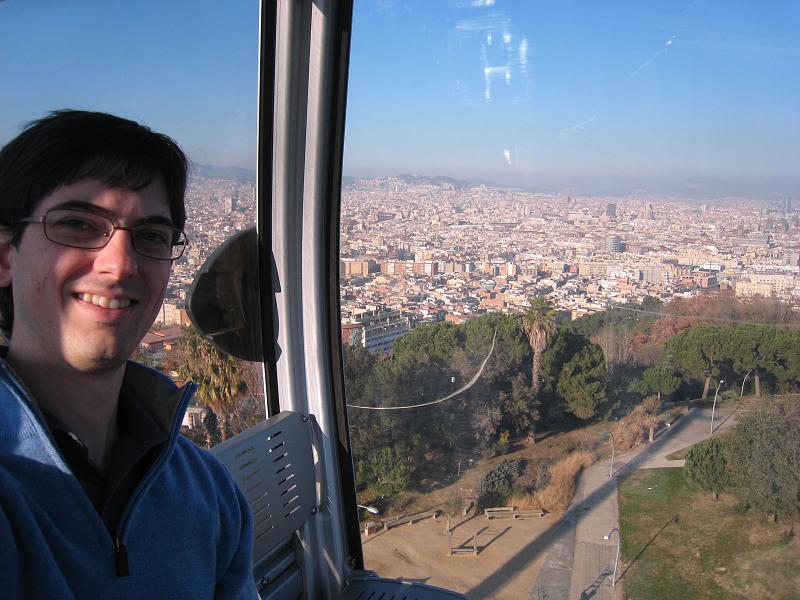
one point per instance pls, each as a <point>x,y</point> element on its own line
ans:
<point>7,250</point>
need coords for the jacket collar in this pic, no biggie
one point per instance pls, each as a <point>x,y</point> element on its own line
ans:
<point>21,418</point>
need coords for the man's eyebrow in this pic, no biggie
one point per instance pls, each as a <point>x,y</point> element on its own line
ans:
<point>99,210</point>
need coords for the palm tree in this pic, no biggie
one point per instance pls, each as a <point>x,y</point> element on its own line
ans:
<point>217,376</point>
<point>539,324</point>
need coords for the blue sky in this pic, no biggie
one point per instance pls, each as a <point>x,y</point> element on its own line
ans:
<point>619,95</point>
<point>187,68</point>
<point>674,97</point>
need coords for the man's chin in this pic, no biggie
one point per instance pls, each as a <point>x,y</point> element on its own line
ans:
<point>97,361</point>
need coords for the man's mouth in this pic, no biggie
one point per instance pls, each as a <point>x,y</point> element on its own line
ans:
<point>104,301</point>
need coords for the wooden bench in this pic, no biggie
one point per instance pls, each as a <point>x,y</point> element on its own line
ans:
<point>273,464</point>
<point>410,519</point>
<point>509,512</point>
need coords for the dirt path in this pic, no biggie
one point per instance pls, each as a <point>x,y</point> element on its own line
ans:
<point>419,552</point>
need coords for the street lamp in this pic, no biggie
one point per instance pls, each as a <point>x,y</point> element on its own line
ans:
<point>713,406</point>
<point>743,382</point>
<point>616,560</point>
<point>613,445</point>
<point>369,509</point>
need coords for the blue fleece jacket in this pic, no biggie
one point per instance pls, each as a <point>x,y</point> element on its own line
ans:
<point>185,533</point>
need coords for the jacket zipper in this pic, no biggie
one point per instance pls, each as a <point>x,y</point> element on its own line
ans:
<point>120,558</point>
<point>120,550</point>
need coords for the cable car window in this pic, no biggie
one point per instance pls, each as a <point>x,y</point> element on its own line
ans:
<point>189,70</point>
<point>555,222</point>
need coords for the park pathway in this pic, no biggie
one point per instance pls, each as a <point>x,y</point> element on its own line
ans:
<point>579,563</point>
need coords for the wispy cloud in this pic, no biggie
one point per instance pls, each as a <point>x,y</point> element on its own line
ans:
<point>565,133</point>
<point>653,58</point>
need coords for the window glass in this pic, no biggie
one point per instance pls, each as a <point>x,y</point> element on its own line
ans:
<point>558,221</point>
<point>189,70</point>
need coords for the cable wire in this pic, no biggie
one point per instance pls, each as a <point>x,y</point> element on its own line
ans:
<point>469,384</point>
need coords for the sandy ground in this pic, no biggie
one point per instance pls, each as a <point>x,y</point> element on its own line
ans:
<point>508,561</point>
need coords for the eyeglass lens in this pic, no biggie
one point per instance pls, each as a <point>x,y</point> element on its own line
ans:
<point>82,229</point>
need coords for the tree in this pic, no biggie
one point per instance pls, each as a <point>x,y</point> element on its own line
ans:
<point>697,351</point>
<point>434,340</point>
<point>656,380</point>
<point>539,324</point>
<point>520,407</point>
<point>485,421</point>
<point>358,364</point>
<point>216,374</point>
<point>386,469</point>
<point>766,456</point>
<point>708,464</point>
<point>582,384</point>
<point>210,428</point>
<point>564,346</point>
<point>779,355</point>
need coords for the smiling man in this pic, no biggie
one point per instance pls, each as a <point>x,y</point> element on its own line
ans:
<point>99,494</point>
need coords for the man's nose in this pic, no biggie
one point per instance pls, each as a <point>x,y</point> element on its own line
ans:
<point>118,257</point>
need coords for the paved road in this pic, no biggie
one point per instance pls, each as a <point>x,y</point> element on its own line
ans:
<point>579,563</point>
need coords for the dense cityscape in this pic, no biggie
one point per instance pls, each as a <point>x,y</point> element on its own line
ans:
<point>418,249</point>
<point>421,250</point>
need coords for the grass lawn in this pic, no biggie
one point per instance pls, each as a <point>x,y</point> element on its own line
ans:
<point>713,550</point>
<point>678,454</point>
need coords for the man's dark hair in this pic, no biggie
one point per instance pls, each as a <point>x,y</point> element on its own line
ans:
<point>71,145</point>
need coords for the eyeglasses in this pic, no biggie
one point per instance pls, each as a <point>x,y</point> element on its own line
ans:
<point>83,229</point>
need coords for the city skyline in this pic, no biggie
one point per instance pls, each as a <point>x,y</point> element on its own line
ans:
<point>693,99</point>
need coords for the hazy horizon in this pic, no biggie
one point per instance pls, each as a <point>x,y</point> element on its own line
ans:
<point>695,98</point>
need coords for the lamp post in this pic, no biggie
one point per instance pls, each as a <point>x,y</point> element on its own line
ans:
<point>369,509</point>
<point>616,560</point>
<point>613,445</point>
<point>743,382</point>
<point>713,406</point>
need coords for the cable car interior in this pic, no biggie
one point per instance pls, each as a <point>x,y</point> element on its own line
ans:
<point>278,281</point>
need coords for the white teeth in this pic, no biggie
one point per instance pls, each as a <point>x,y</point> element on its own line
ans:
<point>105,302</point>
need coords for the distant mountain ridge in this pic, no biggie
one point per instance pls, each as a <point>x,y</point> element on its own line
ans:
<point>239,174</point>
<point>349,180</point>
<point>697,189</point>
<point>244,175</point>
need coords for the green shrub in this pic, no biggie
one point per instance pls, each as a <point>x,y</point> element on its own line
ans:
<point>766,458</point>
<point>495,487</point>
<point>708,464</point>
<point>385,469</point>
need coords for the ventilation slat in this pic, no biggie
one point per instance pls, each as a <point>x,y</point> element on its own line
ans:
<point>268,460</point>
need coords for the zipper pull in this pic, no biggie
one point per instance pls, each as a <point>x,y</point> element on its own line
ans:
<point>120,558</point>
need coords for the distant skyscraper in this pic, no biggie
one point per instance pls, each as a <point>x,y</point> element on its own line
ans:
<point>787,204</point>
<point>611,211</point>
<point>614,243</point>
